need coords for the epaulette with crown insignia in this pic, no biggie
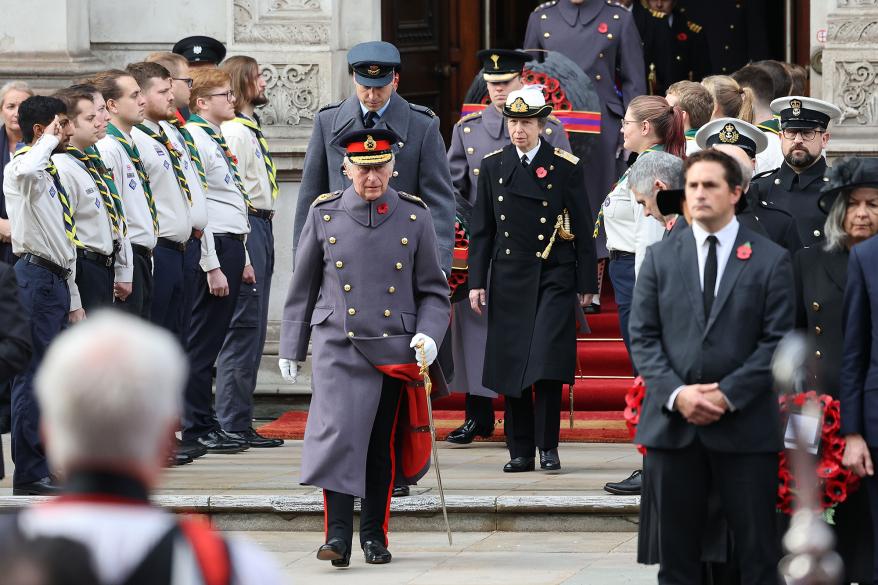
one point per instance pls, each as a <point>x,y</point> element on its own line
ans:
<point>470,116</point>
<point>657,13</point>
<point>412,198</point>
<point>545,5</point>
<point>332,105</point>
<point>326,197</point>
<point>696,28</point>
<point>498,151</point>
<point>422,109</point>
<point>569,157</point>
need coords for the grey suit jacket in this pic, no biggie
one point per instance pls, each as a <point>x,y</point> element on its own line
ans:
<point>673,345</point>
<point>421,167</point>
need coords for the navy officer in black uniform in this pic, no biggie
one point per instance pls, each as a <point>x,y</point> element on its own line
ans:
<point>531,227</point>
<point>795,186</point>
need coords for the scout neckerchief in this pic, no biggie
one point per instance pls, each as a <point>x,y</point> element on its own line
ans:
<point>597,224</point>
<point>134,155</point>
<point>66,211</point>
<point>102,188</point>
<point>772,126</point>
<point>690,133</point>
<point>95,157</point>
<point>231,160</point>
<point>163,139</point>
<point>263,146</point>
<point>193,151</point>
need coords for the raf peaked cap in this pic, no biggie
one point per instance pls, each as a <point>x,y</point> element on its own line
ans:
<point>499,65</point>
<point>732,131</point>
<point>528,102</point>
<point>370,147</point>
<point>846,175</point>
<point>804,112</point>
<point>201,50</point>
<point>374,63</point>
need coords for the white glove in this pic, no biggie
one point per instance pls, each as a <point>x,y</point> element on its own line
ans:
<point>430,349</point>
<point>289,369</point>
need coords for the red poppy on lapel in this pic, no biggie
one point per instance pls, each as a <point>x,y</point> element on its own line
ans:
<point>744,251</point>
<point>602,27</point>
<point>541,172</point>
<point>382,209</point>
<point>671,223</point>
<point>682,37</point>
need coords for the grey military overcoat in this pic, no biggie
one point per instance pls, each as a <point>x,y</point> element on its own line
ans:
<point>420,162</point>
<point>367,279</point>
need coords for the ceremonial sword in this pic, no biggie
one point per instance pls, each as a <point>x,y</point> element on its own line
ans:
<point>428,385</point>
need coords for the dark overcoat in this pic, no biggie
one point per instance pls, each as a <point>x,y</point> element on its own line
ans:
<point>533,303</point>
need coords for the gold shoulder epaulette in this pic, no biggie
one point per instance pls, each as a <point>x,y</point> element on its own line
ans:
<point>545,5</point>
<point>326,197</point>
<point>498,151</point>
<point>412,198</point>
<point>696,28</point>
<point>469,116</point>
<point>569,157</point>
<point>553,118</point>
<point>657,13</point>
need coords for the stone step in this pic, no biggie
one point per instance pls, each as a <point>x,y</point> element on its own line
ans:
<point>421,513</point>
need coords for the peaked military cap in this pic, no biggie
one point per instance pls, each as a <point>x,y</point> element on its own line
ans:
<point>846,175</point>
<point>527,102</point>
<point>201,49</point>
<point>804,112</point>
<point>500,65</point>
<point>369,147</point>
<point>373,63</point>
<point>732,131</point>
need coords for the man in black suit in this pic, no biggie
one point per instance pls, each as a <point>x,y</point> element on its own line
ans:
<point>710,415</point>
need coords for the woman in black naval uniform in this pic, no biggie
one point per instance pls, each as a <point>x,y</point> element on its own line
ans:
<point>531,227</point>
<point>850,196</point>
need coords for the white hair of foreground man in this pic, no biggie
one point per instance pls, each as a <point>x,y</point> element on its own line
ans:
<point>109,390</point>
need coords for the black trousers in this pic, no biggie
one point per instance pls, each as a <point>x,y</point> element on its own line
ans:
<point>380,469</point>
<point>534,419</point>
<point>139,301</point>
<point>681,481</point>
<point>481,410</point>
<point>95,283</point>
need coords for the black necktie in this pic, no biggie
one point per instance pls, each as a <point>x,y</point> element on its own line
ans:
<point>524,161</point>
<point>795,182</point>
<point>369,119</point>
<point>710,272</point>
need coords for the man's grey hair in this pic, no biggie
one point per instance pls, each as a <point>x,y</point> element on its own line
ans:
<point>836,237</point>
<point>109,390</point>
<point>656,166</point>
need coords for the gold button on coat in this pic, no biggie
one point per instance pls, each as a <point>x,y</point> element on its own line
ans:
<point>350,333</point>
<point>326,217</point>
<point>339,264</point>
<point>542,220</point>
<point>332,240</point>
<point>413,217</point>
<point>352,311</point>
<point>387,312</point>
<point>508,252</point>
<point>404,241</point>
<point>347,288</point>
<point>391,289</point>
<point>816,233</point>
<point>548,130</point>
<point>541,237</point>
<point>818,330</point>
<point>395,173</point>
<point>399,265</point>
<point>817,354</point>
<point>467,130</point>
<point>502,217</point>
<point>610,36</point>
<point>470,150</point>
<point>545,203</point>
<point>500,198</point>
<point>476,172</point>
<point>547,35</point>
<point>815,306</point>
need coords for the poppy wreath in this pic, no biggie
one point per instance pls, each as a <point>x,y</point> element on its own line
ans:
<point>835,482</point>
<point>552,91</point>
<point>461,247</point>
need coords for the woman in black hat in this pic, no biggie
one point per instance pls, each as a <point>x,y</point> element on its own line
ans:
<point>850,197</point>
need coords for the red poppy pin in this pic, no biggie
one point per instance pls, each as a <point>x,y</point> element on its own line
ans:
<point>541,172</point>
<point>602,27</point>
<point>382,209</point>
<point>744,251</point>
<point>669,225</point>
<point>682,37</point>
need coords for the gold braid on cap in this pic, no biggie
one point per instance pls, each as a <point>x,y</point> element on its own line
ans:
<point>519,106</point>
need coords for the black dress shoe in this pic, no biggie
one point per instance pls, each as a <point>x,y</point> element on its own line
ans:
<point>177,459</point>
<point>627,487</point>
<point>592,309</point>
<point>376,553</point>
<point>465,433</point>
<point>193,450</point>
<point>519,464</point>
<point>42,487</point>
<point>549,460</point>
<point>216,442</point>
<point>335,550</point>
<point>401,491</point>
<point>254,439</point>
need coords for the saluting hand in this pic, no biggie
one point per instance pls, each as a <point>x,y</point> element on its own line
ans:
<point>477,300</point>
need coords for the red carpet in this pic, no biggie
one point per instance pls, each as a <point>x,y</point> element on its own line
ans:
<point>588,427</point>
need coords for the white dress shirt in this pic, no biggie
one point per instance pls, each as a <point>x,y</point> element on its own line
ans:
<point>171,203</point>
<point>244,144</point>
<point>35,212</point>
<point>725,242</point>
<point>530,154</point>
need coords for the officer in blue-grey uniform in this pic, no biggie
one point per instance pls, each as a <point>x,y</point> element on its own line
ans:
<point>476,135</point>
<point>601,37</point>
<point>420,166</point>
<point>795,186</point>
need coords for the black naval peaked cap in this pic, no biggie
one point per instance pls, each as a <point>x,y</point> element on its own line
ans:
<point>732,131</point>
<point>200,49</point>
<point>500,65</point>
<point>374,63</point>
<point>804,112</point>
<point>369,147</point>
<point>846,175</point>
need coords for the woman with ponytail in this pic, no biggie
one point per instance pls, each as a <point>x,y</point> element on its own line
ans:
<point>730,99</point>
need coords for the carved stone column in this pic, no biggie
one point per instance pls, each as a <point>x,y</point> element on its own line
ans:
<point>850,76</point>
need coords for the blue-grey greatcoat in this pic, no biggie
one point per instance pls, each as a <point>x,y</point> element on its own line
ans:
<point>367,279</point>
<point>601,37</point>
<point>420,162</point>
<point>473,137</point>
